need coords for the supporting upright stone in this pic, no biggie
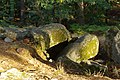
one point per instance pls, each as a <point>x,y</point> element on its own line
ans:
<point>82,49</point>
<point>112,44</point>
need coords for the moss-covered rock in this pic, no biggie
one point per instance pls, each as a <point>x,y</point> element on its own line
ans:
<point>112,44</point>
<point>14,33</point>
<point>82,49</point>
<point>48,36</point>
<point>41,42</point>
<point>41,39</point>
<point>57,33</point>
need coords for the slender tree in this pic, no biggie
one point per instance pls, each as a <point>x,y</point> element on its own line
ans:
<point>12,9</point>
<point>22,9</point>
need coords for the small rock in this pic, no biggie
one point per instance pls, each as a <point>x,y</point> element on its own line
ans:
<point>14,74</point>
<point>7,39</point>
<point>26,40</point>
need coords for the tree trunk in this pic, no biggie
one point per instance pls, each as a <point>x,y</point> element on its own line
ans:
<point>53,10</point>
<point>12,3</point>
<point>22,9</point>
<point>80,12</point>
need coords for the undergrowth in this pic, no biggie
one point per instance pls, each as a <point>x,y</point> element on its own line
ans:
<point>99,29</point>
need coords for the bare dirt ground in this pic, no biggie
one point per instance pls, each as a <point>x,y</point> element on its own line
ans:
<point>38,69</point>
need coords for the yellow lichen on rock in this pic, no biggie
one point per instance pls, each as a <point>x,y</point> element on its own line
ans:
<point>90,48</point>
<point>57,33</point>
<point>83,48</point>
<point>41,53</point>
<point>48,36</point>
<point>57,36</point>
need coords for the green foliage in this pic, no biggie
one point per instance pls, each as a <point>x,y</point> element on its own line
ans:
<point>39,12</point>
<point>96,11</point>
<point>12,4</point>
<point>4,23</point>
<point>89,28</point>
<point>76,28</point>
<point>93,28</point>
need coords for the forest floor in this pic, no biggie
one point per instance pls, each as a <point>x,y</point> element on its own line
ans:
<point>49,71</point>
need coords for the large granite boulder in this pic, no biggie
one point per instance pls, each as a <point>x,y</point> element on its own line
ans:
<point>74,57</point>
<point>57,33</point>
<point>48,36</point>
<point>41,38</point>
<point>112,44</point>
<point>82,49</point>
